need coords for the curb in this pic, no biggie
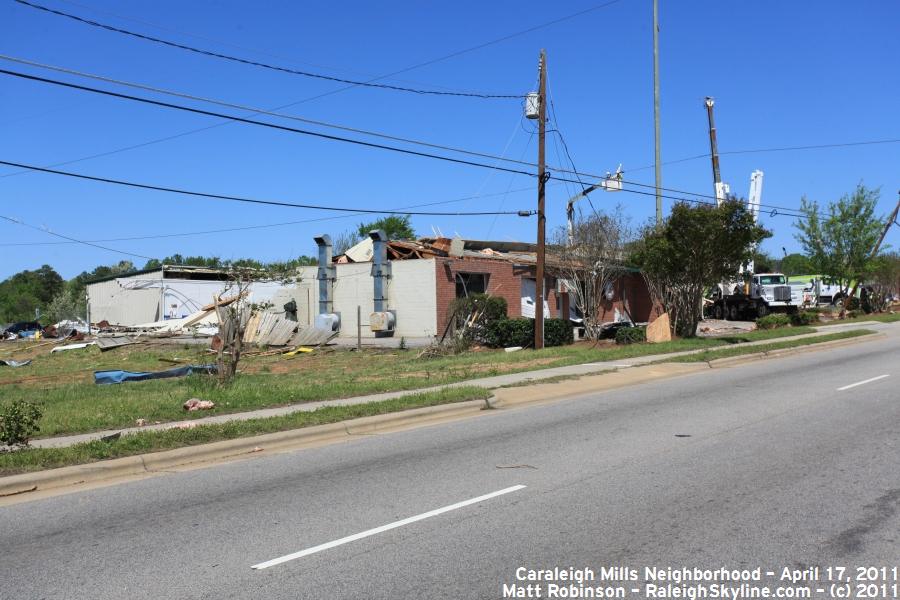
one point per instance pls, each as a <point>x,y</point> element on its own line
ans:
<point>296,438</point>
<point>742,358</point>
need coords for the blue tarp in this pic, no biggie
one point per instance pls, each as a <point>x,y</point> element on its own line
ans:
<point>104,377</point>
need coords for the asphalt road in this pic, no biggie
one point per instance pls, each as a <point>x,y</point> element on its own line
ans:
<point>765,465</point>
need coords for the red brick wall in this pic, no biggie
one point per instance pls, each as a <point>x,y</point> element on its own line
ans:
<point>633,288</point>
<point>504,280</point>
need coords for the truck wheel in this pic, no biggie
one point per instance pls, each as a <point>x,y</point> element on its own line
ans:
<point>717,312</point>
<point>733,312</point>
<point>763,310</point>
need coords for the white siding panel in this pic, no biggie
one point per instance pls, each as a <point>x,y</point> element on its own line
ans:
<point>412,292</point>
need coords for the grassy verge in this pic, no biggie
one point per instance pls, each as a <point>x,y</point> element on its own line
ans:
<point>882,318</point>
<point>35,459</point>
<point>728,352</point>
<point>62,383</point>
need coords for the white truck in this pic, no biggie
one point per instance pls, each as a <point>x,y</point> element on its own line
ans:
<point>765,293</point>
<point>826,291</point>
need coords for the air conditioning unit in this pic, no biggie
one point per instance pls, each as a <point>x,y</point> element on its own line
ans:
<point>382,321</point>
<point>328,322</point>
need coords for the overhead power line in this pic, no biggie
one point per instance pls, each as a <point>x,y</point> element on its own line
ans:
<point>171,190</point>
<point>260,111</point>
<point>263,65</point>
<point>413,67</point>
<point>71,239</point>
<point>254,122</point>
<point>400,210</point>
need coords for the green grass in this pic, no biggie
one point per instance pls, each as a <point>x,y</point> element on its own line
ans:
<point>882,318</point>
<point>62,383</point>
<point>728,352</point>
<point>34,459</point>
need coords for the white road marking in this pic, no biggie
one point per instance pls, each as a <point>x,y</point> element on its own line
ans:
<point>853,385</point>
<point>383,528</point>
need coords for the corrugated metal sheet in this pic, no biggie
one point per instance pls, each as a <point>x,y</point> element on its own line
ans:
<point>112,301</point>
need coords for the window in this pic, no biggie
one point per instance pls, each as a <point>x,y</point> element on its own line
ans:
<point>471,283</point>
<point>772,280</point>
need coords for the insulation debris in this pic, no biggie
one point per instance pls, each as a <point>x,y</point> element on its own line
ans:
<point>14,363</point>
<point>198,404</point>
<point>73,347</point>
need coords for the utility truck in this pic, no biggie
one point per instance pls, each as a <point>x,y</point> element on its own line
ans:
<point>764,293</point>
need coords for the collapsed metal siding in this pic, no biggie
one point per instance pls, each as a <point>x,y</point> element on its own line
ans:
<point>114,300</point>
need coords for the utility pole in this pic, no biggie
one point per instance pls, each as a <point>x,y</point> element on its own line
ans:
<point>656,161</point>
<point>541,218</point>
<point>887,227</point>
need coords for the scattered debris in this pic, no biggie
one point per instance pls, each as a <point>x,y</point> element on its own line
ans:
<point>114,341</point>
<point>683,435</point>
<point>111,437</point>
<point>298,351</point>
<point>659,330</point>
<point>512,349</point>
<point>198,404</point>
<point>140,422</point>
<point>73,346</point>
<point>256,449</point>
<point>14,363</point>
<point>107,377</point>
<point>188,425</point>
<point>516,467</point>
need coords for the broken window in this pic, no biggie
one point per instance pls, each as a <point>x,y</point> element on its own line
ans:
<point>471,283</point>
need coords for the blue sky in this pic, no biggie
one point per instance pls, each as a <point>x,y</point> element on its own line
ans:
<point>782,73</point>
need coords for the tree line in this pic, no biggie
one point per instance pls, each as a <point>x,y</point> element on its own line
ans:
<point>44,293</point>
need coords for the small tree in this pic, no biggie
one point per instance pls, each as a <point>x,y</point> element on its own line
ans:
<point>593,261</point>
<point>396,227</point>
<point>796,264</point>
<point>885,280</point>
<point>839,243</point>
<point>234,316</point>
<point>697,247</point>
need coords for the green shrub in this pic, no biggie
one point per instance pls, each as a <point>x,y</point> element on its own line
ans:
<point>558,332</point>
<point>18,422</point>
<point>631,335</point>
<point>504,333</point>
<point>773,321</point>
<point>489,309</point>
<point>805,317</point>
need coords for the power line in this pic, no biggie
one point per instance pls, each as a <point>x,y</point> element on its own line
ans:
<point>263,65</point>
<point>399,210</point>
<point>73,240</point>
<point>775,149</point>
<point>338,90</point>
<point>231,44</point>
<point>159,188</point>
<point>573,171</point>
<point>255,110</point>
<point>253,122</point>
<point>814,147</point>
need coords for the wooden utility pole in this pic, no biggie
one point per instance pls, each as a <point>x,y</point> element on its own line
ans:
<point>541,219</point>
<point>656,162</point>
<point>887,227</point>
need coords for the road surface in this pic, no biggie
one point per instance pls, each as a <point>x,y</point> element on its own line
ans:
<point>770,464</point>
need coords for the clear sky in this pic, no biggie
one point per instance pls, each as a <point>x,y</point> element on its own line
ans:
<point>783,74</point>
